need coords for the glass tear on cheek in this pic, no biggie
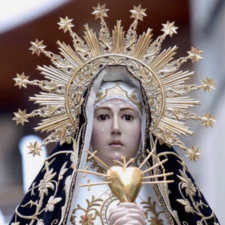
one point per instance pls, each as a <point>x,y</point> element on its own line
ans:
<point>102,130</point>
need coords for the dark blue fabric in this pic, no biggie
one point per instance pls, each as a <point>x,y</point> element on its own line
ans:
<point>47,217</point>
<point>172,165</point>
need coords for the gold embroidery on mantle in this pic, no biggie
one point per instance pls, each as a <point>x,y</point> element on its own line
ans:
<point>94,164</point>
<point>149,206</point>
<point>188,190</point>
<point>90,213</point>
<point>100,207</point>
<point>100,210</point>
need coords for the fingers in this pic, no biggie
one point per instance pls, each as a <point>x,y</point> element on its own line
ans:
<point>137,217</point>
<point>115,216</point>
<point>122,215</point>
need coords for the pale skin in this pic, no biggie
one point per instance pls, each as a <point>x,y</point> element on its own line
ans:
<point>117,132</point>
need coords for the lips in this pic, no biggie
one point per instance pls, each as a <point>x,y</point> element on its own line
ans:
<point>116,143</point>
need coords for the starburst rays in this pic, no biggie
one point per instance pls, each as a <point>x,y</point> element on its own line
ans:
<point>61,108</point>
<point>153,179</point>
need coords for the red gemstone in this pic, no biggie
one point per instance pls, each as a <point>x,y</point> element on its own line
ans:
<point>85,218</point>
<point>157,221</point>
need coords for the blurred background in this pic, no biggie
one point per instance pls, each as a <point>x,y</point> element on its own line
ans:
<point>201,23</point>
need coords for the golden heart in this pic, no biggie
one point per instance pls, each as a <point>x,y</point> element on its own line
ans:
<point>125,182</point>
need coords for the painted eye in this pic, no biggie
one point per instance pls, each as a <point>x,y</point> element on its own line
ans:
<point>103,117</point>
<point>127,117</point>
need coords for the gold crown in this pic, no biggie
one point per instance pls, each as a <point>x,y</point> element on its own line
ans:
<point>75,69</point>
<point>118,91</point>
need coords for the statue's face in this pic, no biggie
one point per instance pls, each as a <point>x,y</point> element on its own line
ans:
<point>116,131</point>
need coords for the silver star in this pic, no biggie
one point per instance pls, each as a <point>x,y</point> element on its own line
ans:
<point>65,24</point>
<point>208,84</point>
<point>208,120</point>
<point>169,29</point>
<point>37,47</point>
<point>100,11</point>
<point>195,54</point>
<point>21,80</point>
<point>138,13</point>
<point>21,117</point>
<point>193,153</point>
<point>35,149</point>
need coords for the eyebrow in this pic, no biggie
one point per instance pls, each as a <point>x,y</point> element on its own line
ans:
<point>108,108</point>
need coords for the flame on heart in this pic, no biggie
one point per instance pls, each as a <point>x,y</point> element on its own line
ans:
<point>125,182</point>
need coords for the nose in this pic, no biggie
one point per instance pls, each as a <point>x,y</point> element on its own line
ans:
<point>115,125</point>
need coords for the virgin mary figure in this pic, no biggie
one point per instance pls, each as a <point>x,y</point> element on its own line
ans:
<point>116,126</point>
<point>116,102</point>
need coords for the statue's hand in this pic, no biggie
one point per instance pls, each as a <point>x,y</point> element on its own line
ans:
<point>127,213</point>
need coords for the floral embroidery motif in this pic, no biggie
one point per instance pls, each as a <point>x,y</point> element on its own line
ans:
<point>46,183</point>
<point>150,207</point>
<point>190,204</point>
<point>87,218</point>
<point>45,202</point>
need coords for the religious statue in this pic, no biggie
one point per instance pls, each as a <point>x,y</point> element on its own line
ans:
<point>115,106</point>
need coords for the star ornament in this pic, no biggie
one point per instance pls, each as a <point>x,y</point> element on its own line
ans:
<point>100,11</point>
<point>193,153</point>
<point>195,54</point>
<point>37,47</point>
<point>21,117</point>
<point>208,84</point>
<point>65,24</point>
<point>169,29</point>
<point>208,120</point>
<point>138,13</point>
<point>21,80</point>
<point>35,149</point>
